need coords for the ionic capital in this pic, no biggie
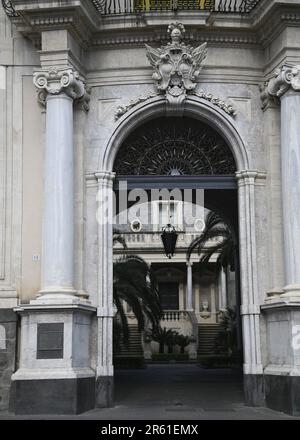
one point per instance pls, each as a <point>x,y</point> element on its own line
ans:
<point>55,81</point>
<point>286,78</point>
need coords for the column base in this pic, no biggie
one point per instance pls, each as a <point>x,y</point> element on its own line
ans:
<point>59,296</point>
<point>291,292</point>
<point>53,396</point>
<point>254,390</point>
<point>283,393</point>
<point>8,342</point>
<point>55,374</point>
<point>104,392</point>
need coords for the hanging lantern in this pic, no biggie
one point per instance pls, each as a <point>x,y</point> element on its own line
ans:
<point>169,239</point>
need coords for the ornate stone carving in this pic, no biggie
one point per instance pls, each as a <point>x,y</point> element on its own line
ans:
<point>228,108</point>
<point>268,101</point>
<point>176,65</point>
<point>122,109</point>
<point>55,81</point>
<point>285,78</point>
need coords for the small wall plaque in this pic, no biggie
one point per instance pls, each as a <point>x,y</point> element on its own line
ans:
<point>50,341</point>
<point>2,338</point>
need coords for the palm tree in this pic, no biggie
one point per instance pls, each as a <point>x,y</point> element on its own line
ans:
<point>217,238</point>
<point>182,341</point>
<point>164,337</point>
<point>134,282</point>
<point>226,341</point>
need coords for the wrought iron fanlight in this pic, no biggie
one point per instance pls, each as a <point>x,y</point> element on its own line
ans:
<point>174,147</point>
<point>169,238</point>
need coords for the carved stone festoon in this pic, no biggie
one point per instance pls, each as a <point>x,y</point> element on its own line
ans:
<point>55,81</point>
<point>177,66</point>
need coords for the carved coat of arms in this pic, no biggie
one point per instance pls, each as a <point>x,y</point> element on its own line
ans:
<point>176,66</point>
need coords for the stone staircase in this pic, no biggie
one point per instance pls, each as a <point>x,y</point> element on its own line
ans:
<point>207,334</point>
<point>134,348</point>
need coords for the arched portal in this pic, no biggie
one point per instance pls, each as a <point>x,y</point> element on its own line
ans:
<point>228,168</point>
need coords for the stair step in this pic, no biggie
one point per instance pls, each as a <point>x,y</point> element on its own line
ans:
<point>206,338</point>
<point>134,347</point>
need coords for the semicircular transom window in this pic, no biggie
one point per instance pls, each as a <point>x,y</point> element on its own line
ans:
<point>174,147</point>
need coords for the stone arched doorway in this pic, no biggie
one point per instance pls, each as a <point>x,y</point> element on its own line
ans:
<point>245,180</point>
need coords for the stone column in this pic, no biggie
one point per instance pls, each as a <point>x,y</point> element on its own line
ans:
<point>60,87</point>
<point>55,357</point>
<point>250,308</point>
<point>282,310</point>
<point>189,287</point>
<point>222,290</point>
<point>286,86</point>
<point>105,371</point>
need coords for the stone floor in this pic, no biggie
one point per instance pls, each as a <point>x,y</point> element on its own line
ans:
<point>175,392</point>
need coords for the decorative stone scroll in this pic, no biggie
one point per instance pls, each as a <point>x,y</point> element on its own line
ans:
<point>285,78</point>
<point>176,66</point>
<point>55,81</point>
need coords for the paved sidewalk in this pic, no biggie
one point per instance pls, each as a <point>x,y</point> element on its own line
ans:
<point>175,392</point>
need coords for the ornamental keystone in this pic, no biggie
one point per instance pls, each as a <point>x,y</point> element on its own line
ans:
<point>176,66</point>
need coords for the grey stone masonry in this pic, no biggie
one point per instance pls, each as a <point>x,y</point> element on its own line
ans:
<point>8,332</point>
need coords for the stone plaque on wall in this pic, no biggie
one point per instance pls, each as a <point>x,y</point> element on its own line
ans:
<point>2,338</point>
<point>50,341</point>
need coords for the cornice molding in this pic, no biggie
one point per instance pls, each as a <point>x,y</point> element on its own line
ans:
<point>260,27</point>
<point>140,39</point>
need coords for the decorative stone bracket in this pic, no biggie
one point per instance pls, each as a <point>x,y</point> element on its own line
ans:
<point>55,81</point>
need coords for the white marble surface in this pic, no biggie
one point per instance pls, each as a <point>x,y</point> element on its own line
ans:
<point>189,288</point>
<point>2,338</point>
<point>58,227</point>
<point>290,151</point>
<point>76,343</point>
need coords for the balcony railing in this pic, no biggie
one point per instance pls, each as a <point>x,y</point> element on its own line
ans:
<point>174,315</point>
<point>115,7</point>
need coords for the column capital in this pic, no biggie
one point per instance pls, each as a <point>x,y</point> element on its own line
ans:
<point>55,81</point>
<point>105,177</point>
<point>251,177</point>
<point>285,78</point>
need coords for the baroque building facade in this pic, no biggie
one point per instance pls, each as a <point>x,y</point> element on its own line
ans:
<point>78,80</point>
